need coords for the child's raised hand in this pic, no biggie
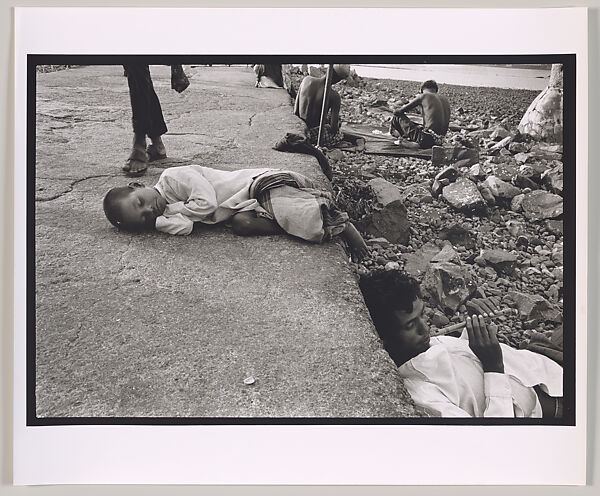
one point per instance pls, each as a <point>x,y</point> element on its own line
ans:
<point>484,343</point>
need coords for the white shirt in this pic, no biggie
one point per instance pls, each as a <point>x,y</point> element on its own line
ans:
<point>202,194</point>
<point>448,380</point>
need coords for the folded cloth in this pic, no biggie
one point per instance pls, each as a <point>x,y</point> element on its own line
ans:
<point>297,206</point>
<point>328,139</point>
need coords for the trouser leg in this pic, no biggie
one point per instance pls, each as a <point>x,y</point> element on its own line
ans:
<point>147,117</point>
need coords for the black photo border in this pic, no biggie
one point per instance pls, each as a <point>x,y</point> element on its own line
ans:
<point>569,236</point>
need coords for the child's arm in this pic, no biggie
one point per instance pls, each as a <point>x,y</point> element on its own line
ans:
<point>200,204</point>
<point>410,105</point>
<point>177,224</point>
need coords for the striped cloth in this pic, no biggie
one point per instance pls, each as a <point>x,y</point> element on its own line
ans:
<point>297,206</point>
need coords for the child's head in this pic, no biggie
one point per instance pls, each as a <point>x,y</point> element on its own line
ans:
<point>134,207</point>
<point>430,85</point>
<point>394,302</point>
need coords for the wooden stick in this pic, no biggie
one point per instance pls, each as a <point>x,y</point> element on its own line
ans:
<point>328,78</point>
<point>460,325</point>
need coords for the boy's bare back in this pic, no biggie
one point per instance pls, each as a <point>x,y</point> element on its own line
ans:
<point>309,101</point>
<point>436,112</point>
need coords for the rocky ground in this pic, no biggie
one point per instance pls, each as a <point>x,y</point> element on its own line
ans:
<point>481,220</point>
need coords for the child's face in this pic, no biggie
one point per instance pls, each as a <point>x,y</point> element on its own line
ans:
<point>141,207</point>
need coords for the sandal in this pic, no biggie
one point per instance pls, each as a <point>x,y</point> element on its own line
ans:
<point>153,153</point>
<point>137,157</point>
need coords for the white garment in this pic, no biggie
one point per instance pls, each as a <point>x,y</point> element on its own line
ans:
<point>202,194</point>
<point>448,380</point>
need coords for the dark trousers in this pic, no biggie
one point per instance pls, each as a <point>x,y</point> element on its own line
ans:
<point>405,128</point>
<point>147,117</point>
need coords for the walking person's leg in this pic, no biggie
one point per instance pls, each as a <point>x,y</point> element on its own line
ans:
<point>147,119</point>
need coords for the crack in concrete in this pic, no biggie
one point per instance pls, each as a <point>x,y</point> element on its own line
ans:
<point>71,186</point>
<point>250,120</point>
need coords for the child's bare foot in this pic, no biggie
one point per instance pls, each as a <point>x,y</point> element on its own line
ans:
<point>355,241</point>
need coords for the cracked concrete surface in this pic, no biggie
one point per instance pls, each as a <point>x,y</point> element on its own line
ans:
<point>157,325</point>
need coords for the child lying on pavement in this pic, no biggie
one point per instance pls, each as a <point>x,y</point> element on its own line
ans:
<point>470,376</point>
<point>258,201</point>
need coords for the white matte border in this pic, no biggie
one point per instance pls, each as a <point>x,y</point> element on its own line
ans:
<point>298,454</point>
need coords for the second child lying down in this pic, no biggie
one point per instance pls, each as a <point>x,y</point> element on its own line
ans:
<point>257,201</point>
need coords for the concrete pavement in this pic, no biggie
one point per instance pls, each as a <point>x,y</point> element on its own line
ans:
<point>158,325</point>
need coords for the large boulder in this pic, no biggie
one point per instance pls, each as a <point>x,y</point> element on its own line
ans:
<point>535,307</point>
<point>449,285</point>
<point>539,205</point>
<point>390,222</point>
<point>544,117</point>
<point>464,195</point>
<point>501,189</point>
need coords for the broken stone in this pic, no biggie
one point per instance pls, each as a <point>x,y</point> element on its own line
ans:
<point>488,196</point>
<point>553,179</point>
<point>522,157</point>
<point>384,191</point>
<point>449,285</point>
<point>335,154</point>
<point>458,236</point>
<point>417,263</point>
<point>416,193</point>
<point>502,261</point>
<point>436,188</point>
<point>464,195</point>
<point>555,227</point>
<point>446,155</point>
<point>499,133</point>
<point>447,254</point>
<point>391,222</point>
<point>524,182</point>
<point>392,266</point>
<point>514,227</point>
<point>449,173</point>
<point>515,147</point>
<point>438,319</point>
<point>535,307</point>
<point>539,205</point>
<point>504,171</point>
<point>500,188</point>
<point>502,143</point>
<point>476,172</point>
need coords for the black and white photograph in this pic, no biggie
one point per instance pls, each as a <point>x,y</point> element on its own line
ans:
<point>301,241</point>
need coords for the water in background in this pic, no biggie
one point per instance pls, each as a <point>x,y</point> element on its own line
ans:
<point>514,77</point>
